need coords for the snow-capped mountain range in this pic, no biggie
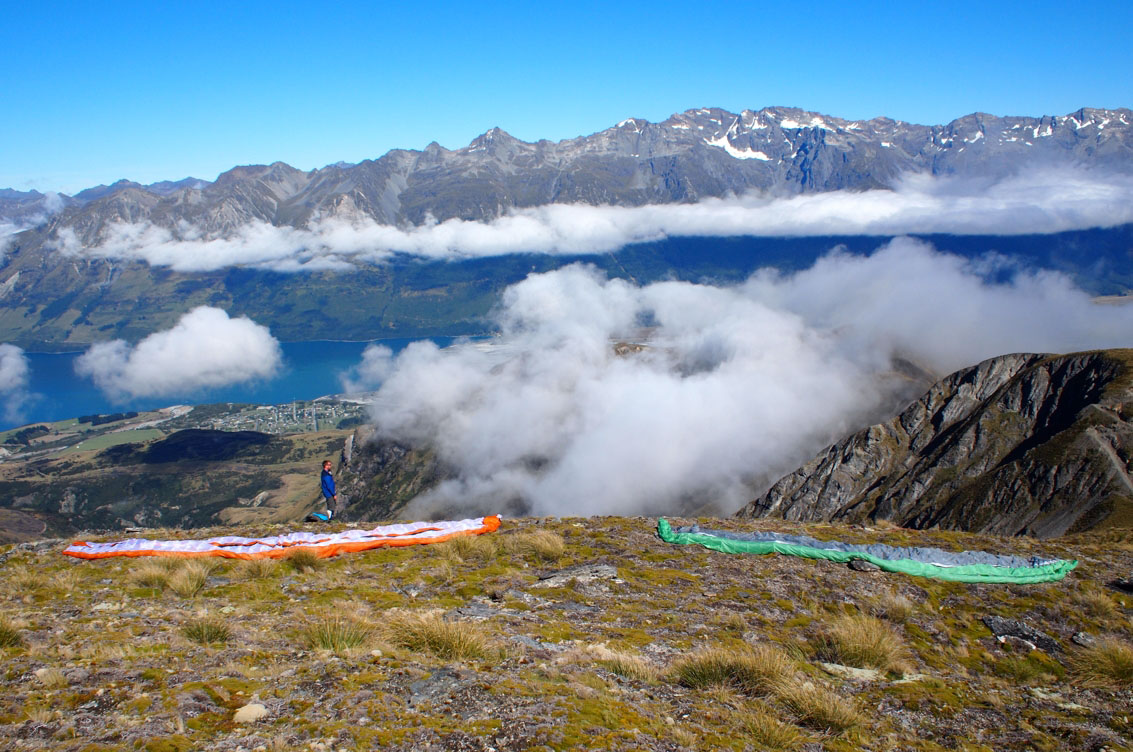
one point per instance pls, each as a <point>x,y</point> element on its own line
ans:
<point>692,155</point>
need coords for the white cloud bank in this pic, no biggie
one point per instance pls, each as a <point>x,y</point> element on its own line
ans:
<point>204,349</point>
<point>14,371</point>
<point>737,386</point>
<point>1032,202</point>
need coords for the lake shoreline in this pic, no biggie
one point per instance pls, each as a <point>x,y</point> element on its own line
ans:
<point>310,369</point>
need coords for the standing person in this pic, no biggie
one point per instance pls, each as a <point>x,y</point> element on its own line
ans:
<point>330,495</point>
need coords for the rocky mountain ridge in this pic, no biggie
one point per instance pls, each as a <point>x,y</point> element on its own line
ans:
<point>707,152</point>
<point>1019,444</point>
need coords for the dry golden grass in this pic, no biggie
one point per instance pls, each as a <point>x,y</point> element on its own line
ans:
<point>863,641</point>
<point>818,707</point>
<point>1106,665</point>
<point>21,579</point>
<point>732,622</point>
<point>1095,601</point>
<point>255,569</point>
<point>629,665</point>
<point>51,678</point>
<point>763,729</point>
<point>303,560</point>
<point>190,578</point>
<point>337,634</point>
<point>541,544</point>
<point>478,548</point>
<point>752,670</point>
<point>39,715</point>
<point>895,607</point>
<point>66,580</point>
<point>152,573</point>
<point>443,574</point>
<point>686,737</point>
<point>428,632</point>
<point>103,651</point>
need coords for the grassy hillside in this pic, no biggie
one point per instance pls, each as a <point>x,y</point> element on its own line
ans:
<point>562,634</point>
<point>187,478</point>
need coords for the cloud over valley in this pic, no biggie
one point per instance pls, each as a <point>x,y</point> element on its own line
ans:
<point>713,392</point>
<point>1038,201</point>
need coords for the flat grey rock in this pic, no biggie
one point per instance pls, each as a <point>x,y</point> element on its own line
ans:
<point>1001,627</point>
<point>1084,640</point>
<point>582,574</point>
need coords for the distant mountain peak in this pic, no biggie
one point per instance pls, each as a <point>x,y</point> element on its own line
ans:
<point>492,136</point>
<point>695,154</point>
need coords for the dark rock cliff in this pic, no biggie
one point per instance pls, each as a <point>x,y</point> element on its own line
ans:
<point>1019,444</point>
<point>379,478</point>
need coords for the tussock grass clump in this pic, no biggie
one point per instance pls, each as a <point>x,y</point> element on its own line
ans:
<point>1095,601</point>
<point>39,715</point>
<point>51,678</point>
<point>443,574</point>
<point>336,634</point>
<point>1108,664</point>
<point>541,544</point>
<point>207,632</point>
<point>22,579</point>
<point>764,730</point>
<point>255,569</point>
<point>752,670</point>
<point>302,560</point>
<point>629,665</point>
<point>190,579</point>
<point>818,707</point>
<point>66,580</point>
<point>10,636</point>
<point>732,622</point>
<point>895,607</point>
<point>463,548</point>
<point>863,641</point>
<point>428,632</point>
<point>151,574</point>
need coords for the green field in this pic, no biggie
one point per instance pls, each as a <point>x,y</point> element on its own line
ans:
<point>118,437</point>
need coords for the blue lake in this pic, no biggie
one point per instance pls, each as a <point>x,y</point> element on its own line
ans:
<point>310,369</point>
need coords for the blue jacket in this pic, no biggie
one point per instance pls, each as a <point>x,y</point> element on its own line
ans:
<point>328,484</point>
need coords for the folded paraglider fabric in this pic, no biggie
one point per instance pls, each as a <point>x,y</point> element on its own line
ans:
<point>321,544</point>
<point>965,566</point>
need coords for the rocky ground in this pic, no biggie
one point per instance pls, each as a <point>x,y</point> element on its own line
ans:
<point>565,634</point>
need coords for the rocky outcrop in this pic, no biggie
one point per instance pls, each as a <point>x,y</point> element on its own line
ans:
<point>1019,444</point>
<point>379,477</point>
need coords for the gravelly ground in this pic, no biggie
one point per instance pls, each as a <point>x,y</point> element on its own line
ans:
<point>102,660</point>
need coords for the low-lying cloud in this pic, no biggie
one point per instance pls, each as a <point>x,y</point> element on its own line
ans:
<point>1032,202</point>
<point>14,371</point>
<point>716,391</point>
<point>204,349</point>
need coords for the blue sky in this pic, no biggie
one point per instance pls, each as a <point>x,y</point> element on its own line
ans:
<point>94,92</point>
